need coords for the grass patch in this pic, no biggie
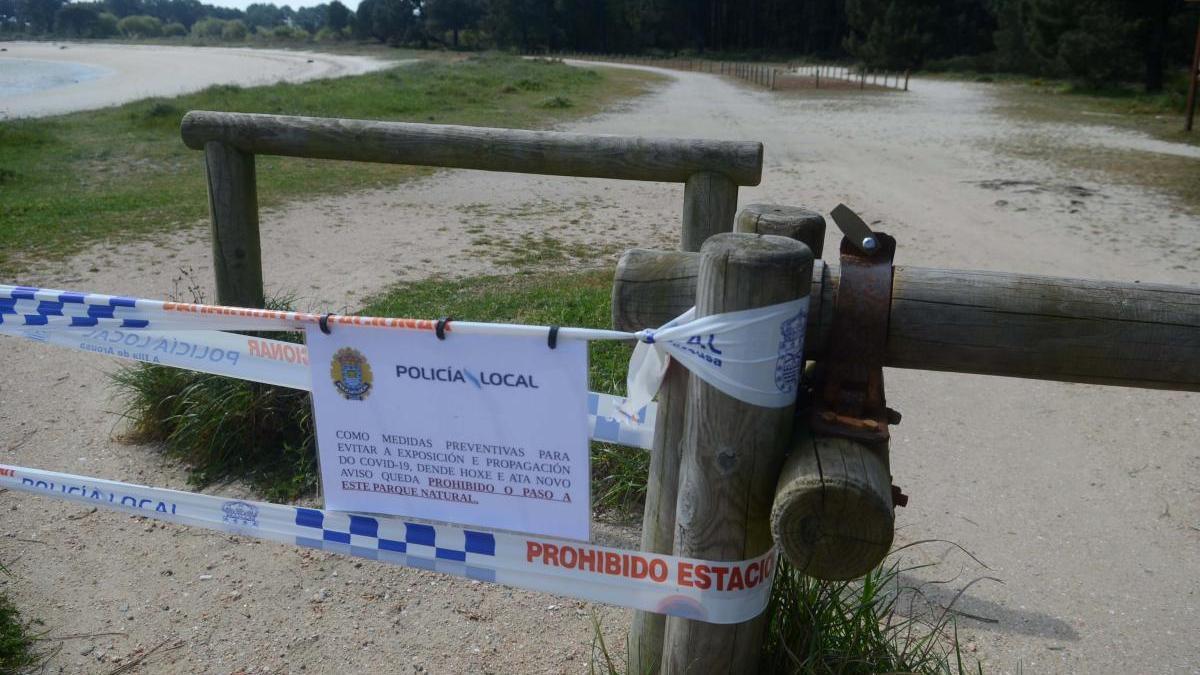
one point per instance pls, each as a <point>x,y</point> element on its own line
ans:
<point>72,180</point>
<point>223,428</point>
<point>16,641</point>
<point>1152,115</point>
<point>876,624</point>
<point>873,625</point>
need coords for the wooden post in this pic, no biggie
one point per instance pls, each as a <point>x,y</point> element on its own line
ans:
<point>647,629</point>
<point>709,204</point>
<point>233,206</point>
<point>732,451</point>
<point>906,80</point>
<point>792,222</point>
<point>833,517</point>
<point>817,70</point>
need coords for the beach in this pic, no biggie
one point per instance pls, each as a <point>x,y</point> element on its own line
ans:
<point>52,78</point>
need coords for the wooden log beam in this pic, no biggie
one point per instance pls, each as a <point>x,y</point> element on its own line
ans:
<point>833,517</point>
<point>513,150</point>
<point>732,451</point>
<point>988,323</point>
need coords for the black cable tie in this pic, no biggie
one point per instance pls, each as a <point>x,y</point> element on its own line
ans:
<point>552,338</point>
<point>440,329</point>
<point>324,323</point>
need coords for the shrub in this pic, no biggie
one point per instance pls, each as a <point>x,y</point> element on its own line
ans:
<point>234,31</point>
<point>208,28</point>
<point>140,26</point>
<point>106,25</point>
<point>328,34</point>
<point>174,29</point>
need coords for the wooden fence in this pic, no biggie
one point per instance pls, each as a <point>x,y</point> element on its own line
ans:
<point>711,171</point>
<point>726,477</point>
<point>773,76</point>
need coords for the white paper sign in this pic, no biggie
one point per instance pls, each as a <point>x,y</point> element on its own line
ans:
<point>478,430</point>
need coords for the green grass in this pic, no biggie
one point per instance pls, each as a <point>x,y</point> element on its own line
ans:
<point>872,625</point>
<point>223,428</point>
<point>16,641</point>
<point>67,182</point>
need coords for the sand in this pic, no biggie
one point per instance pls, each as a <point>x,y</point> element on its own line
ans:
<point>1083,500</point>
<point>126,73</point>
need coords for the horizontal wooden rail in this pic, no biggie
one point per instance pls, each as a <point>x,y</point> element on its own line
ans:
<point>513,150</point>
<point>990,323</point>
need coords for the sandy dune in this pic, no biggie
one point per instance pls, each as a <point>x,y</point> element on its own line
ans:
<point>1082,499</point>
<point>130,72</point>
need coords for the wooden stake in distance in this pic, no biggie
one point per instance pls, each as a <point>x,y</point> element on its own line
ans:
<point>732,451</point>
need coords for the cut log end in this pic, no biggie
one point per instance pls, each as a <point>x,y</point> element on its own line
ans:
<point>833,517</point>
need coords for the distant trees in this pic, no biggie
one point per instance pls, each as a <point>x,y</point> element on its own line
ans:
<point>338,16</point>
<point>390,21</point>
<point>140,26</point>
<point>234,31</point>
<point>1095,42</point>
<point>453,15</point>
<point>77,20</point>
<point>38,15</point>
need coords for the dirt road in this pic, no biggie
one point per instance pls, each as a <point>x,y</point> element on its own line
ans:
<point>1083,500</point>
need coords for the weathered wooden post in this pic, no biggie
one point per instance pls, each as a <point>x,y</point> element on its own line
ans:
<point>833,516</point>
<point>709,204</point>
<point>233,206</point>
<point>732,451</point>
<point>792,222</point>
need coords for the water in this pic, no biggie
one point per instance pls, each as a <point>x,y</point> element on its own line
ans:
<point>24,76</point>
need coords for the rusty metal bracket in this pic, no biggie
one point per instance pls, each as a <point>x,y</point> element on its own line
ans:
<point>849,399</point>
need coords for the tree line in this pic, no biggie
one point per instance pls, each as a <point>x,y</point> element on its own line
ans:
<point>1096,41</point>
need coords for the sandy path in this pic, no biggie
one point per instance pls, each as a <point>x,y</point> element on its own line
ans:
<point>1084,500</point>
<point>131,72</point>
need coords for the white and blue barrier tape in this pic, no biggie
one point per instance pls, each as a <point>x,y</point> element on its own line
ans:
<point>716,592</point>
<point>753,355</point>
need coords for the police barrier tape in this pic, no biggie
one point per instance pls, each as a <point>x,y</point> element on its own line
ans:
<point>754,355</point>
<point>716,592</point>
<point>280,363</point>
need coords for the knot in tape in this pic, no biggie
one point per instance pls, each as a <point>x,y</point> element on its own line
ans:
<point>754,355</point>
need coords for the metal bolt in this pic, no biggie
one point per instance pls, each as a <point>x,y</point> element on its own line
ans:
<point>869,244</point>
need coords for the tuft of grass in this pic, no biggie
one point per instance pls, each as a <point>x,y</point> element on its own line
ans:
<point>16,639</point>
<point>871,625</point>
<point>553,102</point>
<point>75,179</point>
<point>223,428</point>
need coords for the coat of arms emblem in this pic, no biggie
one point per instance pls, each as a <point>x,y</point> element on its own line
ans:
<point>351,374</point>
